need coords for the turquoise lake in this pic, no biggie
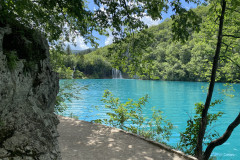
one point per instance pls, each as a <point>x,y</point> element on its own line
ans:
<point>176,100</point>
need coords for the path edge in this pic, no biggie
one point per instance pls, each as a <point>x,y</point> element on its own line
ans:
<point>180,153</point>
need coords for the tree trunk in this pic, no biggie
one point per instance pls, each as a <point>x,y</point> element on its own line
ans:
<point>203,125</point>
<point>222,139</point>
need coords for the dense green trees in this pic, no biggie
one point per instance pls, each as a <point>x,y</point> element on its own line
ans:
<point>223,10</point>
<point>79,66</point>
<point>141,54</point>
<point>138,54</point>
<point>67,19</point>
<point>210,58</point>
<point>163,59</point>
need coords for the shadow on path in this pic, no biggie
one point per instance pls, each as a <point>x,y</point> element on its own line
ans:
<point>80,140</point>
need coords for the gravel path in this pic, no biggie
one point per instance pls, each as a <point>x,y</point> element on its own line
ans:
<point>81,140</point>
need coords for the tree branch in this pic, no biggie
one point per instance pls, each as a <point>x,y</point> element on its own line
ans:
<point>227,56</point>
<point>231,36</point>
<point>226,47</point>
<point>222,139</point>
<point>35,1</point>
<point>203,123</point>
<point>232,61</point>
<point>233,10</point>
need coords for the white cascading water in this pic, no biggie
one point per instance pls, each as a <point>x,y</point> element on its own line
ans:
<point>116,74</point>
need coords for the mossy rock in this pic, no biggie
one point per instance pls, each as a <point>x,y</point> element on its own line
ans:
<point>25,43</point>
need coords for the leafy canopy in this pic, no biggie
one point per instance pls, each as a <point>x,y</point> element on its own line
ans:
<point>65,18</point>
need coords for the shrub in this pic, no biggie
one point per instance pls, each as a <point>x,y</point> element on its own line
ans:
<point>188,138</point>
<point>128,116</point>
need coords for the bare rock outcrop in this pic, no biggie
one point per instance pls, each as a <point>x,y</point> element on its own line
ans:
<point>28,89</point>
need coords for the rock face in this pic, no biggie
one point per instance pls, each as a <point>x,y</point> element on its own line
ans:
<point>28,89</point>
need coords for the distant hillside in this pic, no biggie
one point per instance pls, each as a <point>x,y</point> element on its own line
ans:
<point>154,55</point>
<point>86,51</point>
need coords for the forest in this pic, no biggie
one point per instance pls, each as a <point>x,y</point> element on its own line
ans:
<point>199,44</point>
<point>161,57</point>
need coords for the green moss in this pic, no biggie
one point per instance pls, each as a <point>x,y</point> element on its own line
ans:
<point>28,66</point>
<point>5,132</point>
<point>23,43</point>
<point>12,59</point>
<point>1,123</point>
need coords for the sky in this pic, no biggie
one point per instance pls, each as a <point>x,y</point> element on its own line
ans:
<point>103,40</point>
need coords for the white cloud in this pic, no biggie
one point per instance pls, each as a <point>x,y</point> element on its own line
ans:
<point>149,21</point>
<point>109,39</point>
<point>146,19</point>
<point>79,44</point>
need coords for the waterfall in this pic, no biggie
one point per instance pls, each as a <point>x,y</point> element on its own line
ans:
<point>116,74</point>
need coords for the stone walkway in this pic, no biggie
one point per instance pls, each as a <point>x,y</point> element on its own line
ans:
<point>80,140</point>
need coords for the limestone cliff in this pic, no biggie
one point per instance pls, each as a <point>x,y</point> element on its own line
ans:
<point>28,89</point>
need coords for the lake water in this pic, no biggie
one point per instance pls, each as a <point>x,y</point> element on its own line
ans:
<point>175,99</point>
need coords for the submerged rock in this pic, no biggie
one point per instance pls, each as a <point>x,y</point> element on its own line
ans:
<point>28,89</point>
